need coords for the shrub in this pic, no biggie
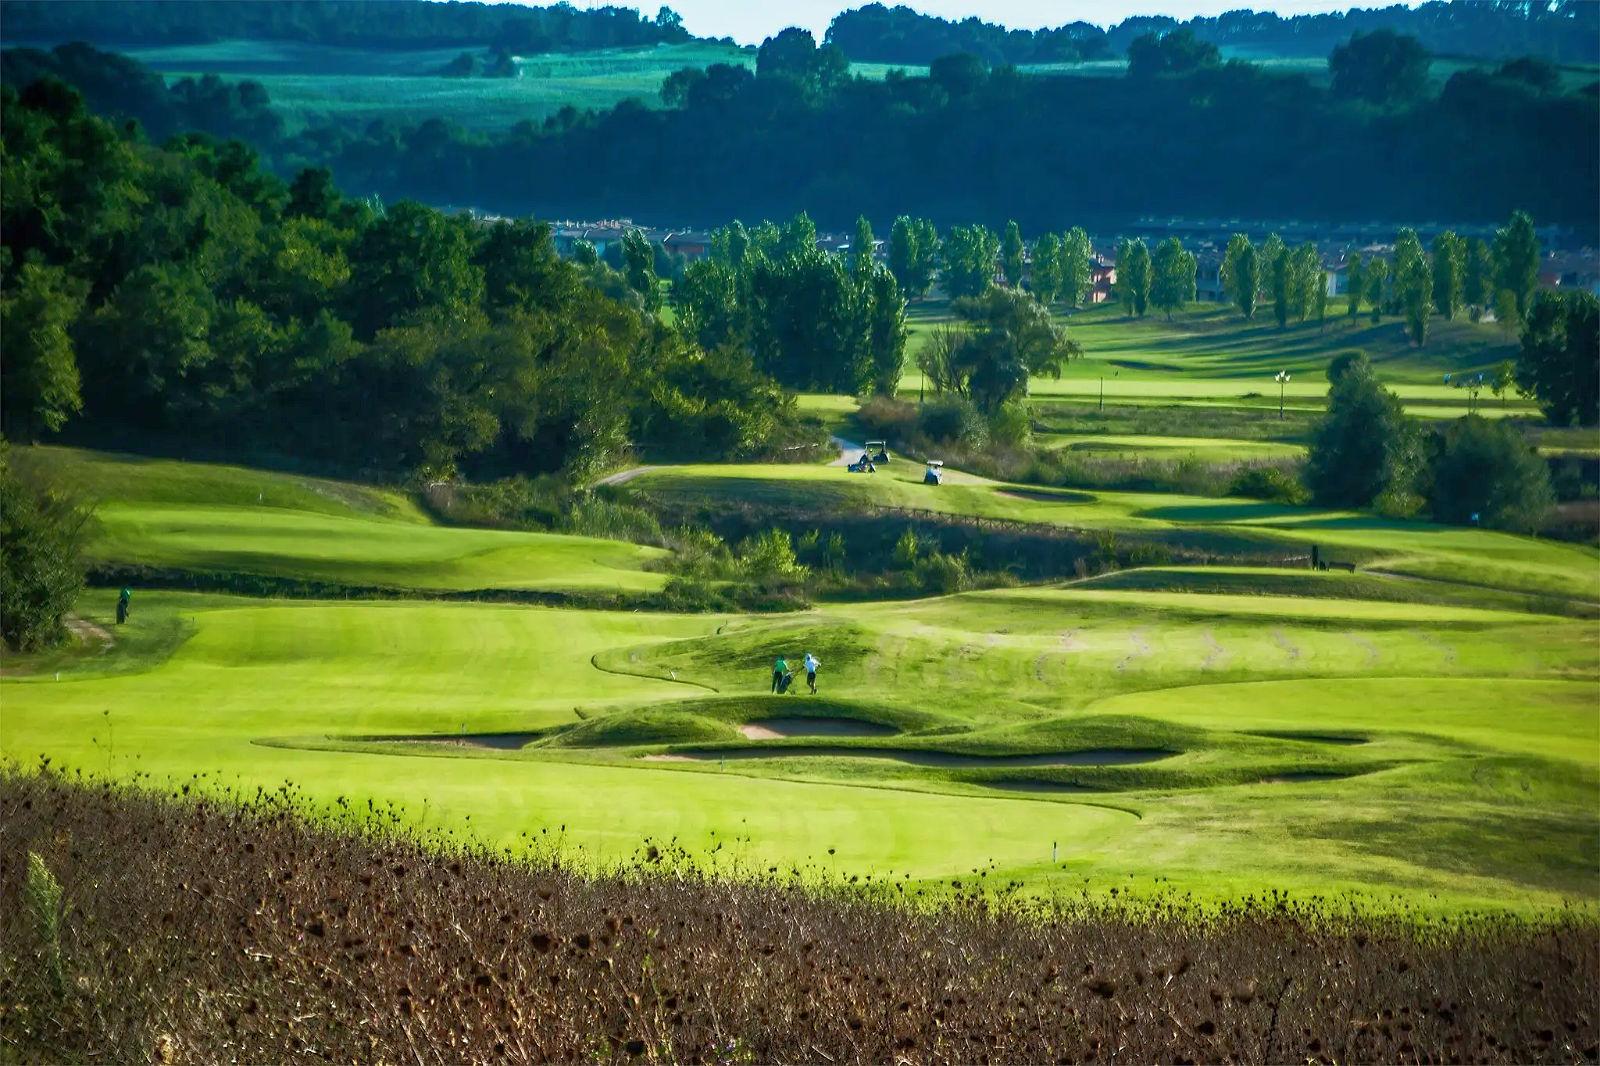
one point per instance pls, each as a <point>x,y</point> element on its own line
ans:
<point>884,416</point>
<point>1268,483</point>
<point>597,516</point>
<point>905,550</point>
<point>1363,447</point>
<point>953,420</point>
<point>1484,467</point>
<point>1011,425</point>
<point>938,572</point>
<point>768,559</point>
<point>41,567</point>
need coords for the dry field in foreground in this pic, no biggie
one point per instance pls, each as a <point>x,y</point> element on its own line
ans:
<point>137,926</point>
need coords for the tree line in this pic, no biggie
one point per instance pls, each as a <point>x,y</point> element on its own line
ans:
<point>1456,275</point>
<point>1565,32</point>
<point>349,23</point>
<point>798,132</point>
<point>182,292</point>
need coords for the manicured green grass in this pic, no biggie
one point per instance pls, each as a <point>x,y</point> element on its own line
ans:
<point>1216,729</point>
<point>199,516</point>
<point>1468,556</point>
<point>1226,688</point>
<point>1208,355</point>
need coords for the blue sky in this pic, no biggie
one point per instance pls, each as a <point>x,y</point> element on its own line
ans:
<point>750,21</point>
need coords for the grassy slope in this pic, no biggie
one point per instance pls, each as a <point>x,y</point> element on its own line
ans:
<point>257,691</point>
<point>1209,355</point>
<point>1420,548</point>
<point>163,513</point>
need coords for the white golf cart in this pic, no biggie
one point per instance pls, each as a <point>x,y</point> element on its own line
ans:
<point>934,475</point>
<point>878,450</point>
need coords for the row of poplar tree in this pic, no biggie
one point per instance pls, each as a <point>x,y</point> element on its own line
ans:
<point>1457,274</point>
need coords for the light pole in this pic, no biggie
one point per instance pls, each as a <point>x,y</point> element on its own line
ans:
<point>1283,380</point>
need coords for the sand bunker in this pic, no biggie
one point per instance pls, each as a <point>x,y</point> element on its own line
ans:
<point>1039,786</point>
<point>1297,776</point>
<point>1311,738</point>
<point>1092,757</point>
<point>1046,496</point>
<point>800,725</point>
<point>498,741</point>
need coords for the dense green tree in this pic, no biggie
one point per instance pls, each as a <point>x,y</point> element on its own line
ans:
<point>1449,273</point>
<point>798,237</point>
<point>1076,266</point>
<point>1133,276</point>
<point>1483,473</point>
<point>1044,278</point>
<point>730,243</point>
<point>1516,256</point>
<point>37,360</point>
<point>709,306</point>
<point>1241,274</point>
<point>1355,284</point>
<point>959,74</point>
<point>929,253</point>
<point>808,329</point>
<point>1478,283</point>
<point>1407,251</point>
<point>1377,276</point>
<point>141,347</point>
<point>1305,279</point>
<point>1413,283</point>
<point>1002,338</point>
<point>969,260</point>
<point>1383,68</point>
<point>886,330</point>
<point>1364,447</point>
<point>1279,269</point>
<point>639,268</point>
<point>1266,257</point>
<point>1172,277</point>
<point>410,264</point>
<point>1559,363</point>
<point>1011,255</point>
<point>520,267</point>
<point>861,246</point>
<point>42,532</point>
<point>1350,361</point>
<point>913,254</point>
<point>1176,52</point>
<point>399,340</point>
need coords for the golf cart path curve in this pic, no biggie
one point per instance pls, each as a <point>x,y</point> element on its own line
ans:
<point>622,477</point>
<point>849,451</point>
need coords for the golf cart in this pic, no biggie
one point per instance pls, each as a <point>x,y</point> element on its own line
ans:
<point>879,450</point>
<point>934,475</point>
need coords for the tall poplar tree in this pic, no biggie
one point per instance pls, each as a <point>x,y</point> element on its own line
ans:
<point>1449,273</point>
<point>1011,254</point>
<point>1076,265</point>
<point>1133,276</point>
<point>1045,277</point>
<point>1240,274</point>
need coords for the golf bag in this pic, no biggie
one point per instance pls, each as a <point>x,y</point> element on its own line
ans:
<point>784,682</point>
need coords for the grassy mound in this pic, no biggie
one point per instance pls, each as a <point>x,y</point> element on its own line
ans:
<point>221,520</point>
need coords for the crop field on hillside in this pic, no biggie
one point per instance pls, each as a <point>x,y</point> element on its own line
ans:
<point>1220,730</point>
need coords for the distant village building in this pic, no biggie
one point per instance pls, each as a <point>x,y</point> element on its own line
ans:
<point>691,244</point>
<point>1102,278</point>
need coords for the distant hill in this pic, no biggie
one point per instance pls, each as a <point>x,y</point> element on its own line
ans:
<point>1565,32</point>
<point>391,24</point>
